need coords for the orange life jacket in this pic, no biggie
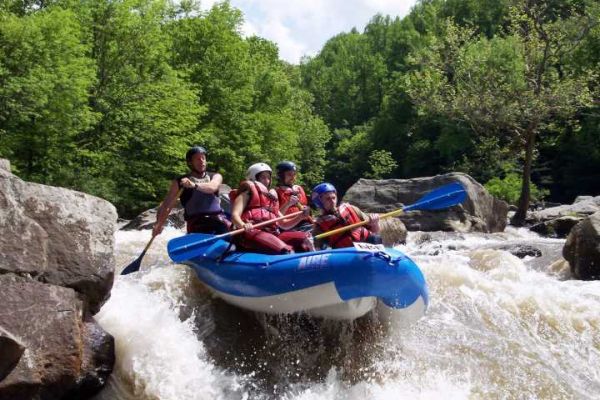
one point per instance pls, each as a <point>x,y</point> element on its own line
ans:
<point>346,215</point>
<point>262,205</point>
<point>285,192</point>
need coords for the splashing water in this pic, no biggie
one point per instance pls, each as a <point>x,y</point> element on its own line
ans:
<point>498,327</point>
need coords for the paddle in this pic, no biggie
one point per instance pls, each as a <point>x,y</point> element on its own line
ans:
<point>446,196</point>
<point>185,247</point>
<point>135,266</point>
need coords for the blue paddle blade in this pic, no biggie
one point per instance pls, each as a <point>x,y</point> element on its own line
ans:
<point>446,196</point>
<point>185,247</point>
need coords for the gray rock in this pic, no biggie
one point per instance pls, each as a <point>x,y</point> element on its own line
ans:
<point>48,319</point>
<point>481,212</point>
<point>392,232</point>
<point>147,219</point>
<point>4,164</point>
<point>58,236</point>
<point>581,208</point>
<point>557,228</point>
<point>582,248</point>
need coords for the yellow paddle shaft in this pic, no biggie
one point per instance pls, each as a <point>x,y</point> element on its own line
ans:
<point>356,225</point>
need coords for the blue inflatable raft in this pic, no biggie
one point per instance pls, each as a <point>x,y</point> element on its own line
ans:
<point>337,284</point>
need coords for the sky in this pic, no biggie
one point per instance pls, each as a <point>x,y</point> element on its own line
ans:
<point>301,27</point>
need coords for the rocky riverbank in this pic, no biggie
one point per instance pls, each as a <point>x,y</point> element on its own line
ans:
<point>56,271</point>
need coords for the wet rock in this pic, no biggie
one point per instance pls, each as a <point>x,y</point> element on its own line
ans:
<point>480,212</point>
<point>11,349</point>
<point>97,360</point>
<point>556,228</point>
<point>147,219</point>
<point>58,236</point>
<point>420,238</point>
<point>582,248</point>
<point>48,320</point>
<point>393,232</point>
<point>581,208</point>
<point>521,250</point>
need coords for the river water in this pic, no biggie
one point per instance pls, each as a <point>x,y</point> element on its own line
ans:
<point>498,327</point>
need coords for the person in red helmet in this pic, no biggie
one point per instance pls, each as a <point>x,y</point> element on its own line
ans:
<point>199,197</point>
<point>292,197</point>
<point>334,216</point>
<point>254,202</point>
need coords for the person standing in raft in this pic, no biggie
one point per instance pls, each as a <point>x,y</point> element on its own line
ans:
<point>199,197</point>
<point>334,216</point>
<point>292,197</point>
<point>252,203</point>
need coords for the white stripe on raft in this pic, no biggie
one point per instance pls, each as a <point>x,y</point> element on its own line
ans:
<point>321,301</point>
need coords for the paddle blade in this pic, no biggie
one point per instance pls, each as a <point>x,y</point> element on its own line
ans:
<point>134,266</point>
<point>188,246</point>
<point>446,196</point>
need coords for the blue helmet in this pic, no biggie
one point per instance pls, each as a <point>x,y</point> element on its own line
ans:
<point>320,189</point>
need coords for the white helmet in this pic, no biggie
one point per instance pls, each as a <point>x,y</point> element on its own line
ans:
<point>256,169</point>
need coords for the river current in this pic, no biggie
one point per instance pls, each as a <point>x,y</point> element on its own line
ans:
<point>497,327</point>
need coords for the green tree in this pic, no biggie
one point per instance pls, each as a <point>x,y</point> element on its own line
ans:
<point>346,80</point>
<point>148,112</point>
<point>506,86</point>
<point>45,78</point>
<point>381,164</point>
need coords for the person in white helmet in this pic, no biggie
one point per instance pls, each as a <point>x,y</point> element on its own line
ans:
<point>254,202</point>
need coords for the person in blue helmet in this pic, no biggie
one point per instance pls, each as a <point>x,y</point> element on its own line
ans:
<point>199,197</point>
<point>334,216</point>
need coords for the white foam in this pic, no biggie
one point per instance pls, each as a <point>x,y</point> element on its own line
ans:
<point>495,328</point>
<point>158,356</point>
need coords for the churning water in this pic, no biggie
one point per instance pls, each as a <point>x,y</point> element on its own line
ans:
<point>498,327</point>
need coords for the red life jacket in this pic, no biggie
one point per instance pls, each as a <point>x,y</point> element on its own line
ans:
<point>346,215</point>
<point>262,205</point>
<point>285,192</point>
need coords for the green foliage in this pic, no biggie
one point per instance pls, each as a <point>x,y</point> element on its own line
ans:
<point>509,188</point>
<point>503,87</point>
<point>45,76</point>
<point>381,164</point>
<point>105,96</point>
<point>346,80</point>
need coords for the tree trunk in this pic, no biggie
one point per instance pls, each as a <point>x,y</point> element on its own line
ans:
<point>521,214</point>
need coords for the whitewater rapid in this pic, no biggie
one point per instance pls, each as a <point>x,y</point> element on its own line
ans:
<point>498,327</point>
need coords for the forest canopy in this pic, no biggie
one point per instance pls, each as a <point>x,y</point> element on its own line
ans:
<point>105,96</point>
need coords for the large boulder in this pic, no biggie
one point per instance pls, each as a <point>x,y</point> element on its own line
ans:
<point>56,269</point>
<point>147,219</point>
<point>558,221</point>
<point>58,236</point>
<point>582,207</point>
<point>54,362</point>
<point>582,248</point>
<point>480,212</point>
